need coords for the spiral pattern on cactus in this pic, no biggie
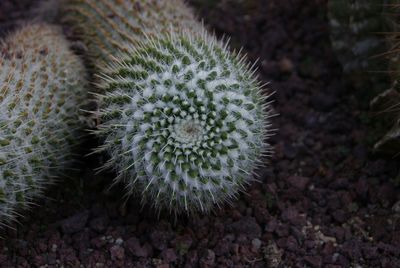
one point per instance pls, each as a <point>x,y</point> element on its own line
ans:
<point>42,88</point>
<point>183,119</point>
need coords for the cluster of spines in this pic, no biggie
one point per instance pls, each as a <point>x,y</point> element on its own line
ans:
<point>42,88</point>
<point>387,104</point>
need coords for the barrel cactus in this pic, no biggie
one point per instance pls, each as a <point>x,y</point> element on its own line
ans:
<point>42,88</point>
<point>183,120</point>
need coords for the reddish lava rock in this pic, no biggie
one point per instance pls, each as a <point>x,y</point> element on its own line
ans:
<point>117,253</point>
<point>298,182</point>
<point>314,261</point>
<point>169,255</point>
<point>207,258</point>
<point>133,246</point>
<point>247,226</point>
<point>74,223</point>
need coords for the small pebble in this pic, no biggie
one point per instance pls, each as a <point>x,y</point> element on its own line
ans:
<point>256,243</point>
<point>119,241</point>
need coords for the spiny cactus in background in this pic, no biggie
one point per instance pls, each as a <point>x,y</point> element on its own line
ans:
<point>42,88</point>
<point>357,28</point>
<point>359,37</point>
<point>110,27</point>
<point>183,120</point>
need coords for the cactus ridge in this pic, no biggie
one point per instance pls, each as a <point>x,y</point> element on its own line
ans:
<point>41,93</point>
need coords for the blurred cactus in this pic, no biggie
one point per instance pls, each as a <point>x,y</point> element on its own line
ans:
<point>42,88</point>
<point>369,56</point>
<point>357,28</point>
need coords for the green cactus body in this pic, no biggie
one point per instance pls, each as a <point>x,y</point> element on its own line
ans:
<point>355,34</point>
<point>183,120</point>
<point>41,92</point>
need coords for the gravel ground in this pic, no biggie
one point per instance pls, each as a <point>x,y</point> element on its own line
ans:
<point>324,200</point>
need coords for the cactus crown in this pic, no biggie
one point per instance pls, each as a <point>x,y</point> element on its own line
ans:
<point>183,121</point>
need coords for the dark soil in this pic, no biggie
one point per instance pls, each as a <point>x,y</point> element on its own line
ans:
<point>324,200</point>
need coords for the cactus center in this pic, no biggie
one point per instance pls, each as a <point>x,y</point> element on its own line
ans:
<point>187,131</point>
